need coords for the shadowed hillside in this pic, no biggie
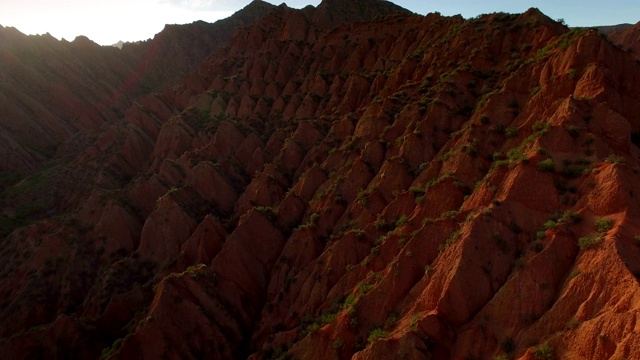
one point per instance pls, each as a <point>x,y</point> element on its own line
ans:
<point>626,36</point>
<point>51,90</point>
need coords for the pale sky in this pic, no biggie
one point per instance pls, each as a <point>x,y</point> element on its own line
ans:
<point>108,21</point>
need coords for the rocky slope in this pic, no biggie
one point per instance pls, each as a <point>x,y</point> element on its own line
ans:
<point>626,36</point>
<point>52,90</point>
<point>406,187</point>
<point>178,49</point>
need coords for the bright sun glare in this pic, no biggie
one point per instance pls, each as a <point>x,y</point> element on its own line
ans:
<point>105,22</point>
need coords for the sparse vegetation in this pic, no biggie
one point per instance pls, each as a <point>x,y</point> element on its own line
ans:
<point>452,238</point>
<point>550,225</point>
<point>402,220</point>
<point>337,344</point>
<point>546,165</point>
<point>313,219</point>
<point>543,352</point>
<point>515,155</point>
<point>572,323</point>
<point>363,196</point>
<point>539,126</point>
<point>377,333</point>
<point>419,193</point>
<point>569,217</point>
<point>587,242</point>
<point>107,352</point>
<point>602,226</point>
<point>427,269</point>
<point>614,159</point>
<point>270,212</point>
<point>510,132</point>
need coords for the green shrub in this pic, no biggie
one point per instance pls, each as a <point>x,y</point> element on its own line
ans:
<point>452,238</point>
<point>449,214</point>
<point>471,148</point>
<point>269,212</point>
<point>376,334</point>
<point>550,225</point>
<point>574,170</point>
<point>338,344</point>
<point>313,328</point>
<point>363,197</point>
<point>499,163</point>
<point>515,155</point>
<point>538,125</point>
<point>381,224</point>
<point>108,351</point>
<point>572,323</point>
<point>543,352</point>
<point>603,225</point>
<point>418,191</point>
<point>328,318</point>
<point>546,165</point>
<point>391,320</point>
<point>588,242</point>
<point>402,220</point>
<point>427,269</point>
<point>570,217</point>
<point>510,132</point>
<point>614,159</point>
<point>364,288</point>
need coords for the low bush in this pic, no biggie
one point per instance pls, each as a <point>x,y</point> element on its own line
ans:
<point>546,165</point>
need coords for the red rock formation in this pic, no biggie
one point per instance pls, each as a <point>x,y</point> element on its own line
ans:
<point>626,36</point>
<point>469,196</point>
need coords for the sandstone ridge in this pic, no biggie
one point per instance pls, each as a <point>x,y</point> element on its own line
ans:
<point>406,187</point>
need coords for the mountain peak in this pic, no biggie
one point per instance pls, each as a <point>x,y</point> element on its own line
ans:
<point>331,13</point>
<point>256,6</point>
<point>82,40</point>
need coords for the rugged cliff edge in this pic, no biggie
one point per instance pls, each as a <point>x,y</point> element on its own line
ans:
<point>406,187</point>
